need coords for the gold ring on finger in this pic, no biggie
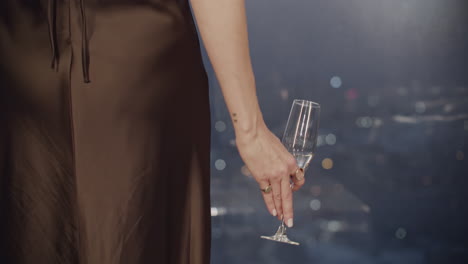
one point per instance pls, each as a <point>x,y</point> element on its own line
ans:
<point>266,189</point>
<point>295,174</point>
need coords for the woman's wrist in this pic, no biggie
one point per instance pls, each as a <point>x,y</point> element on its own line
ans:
<point>247,130</point>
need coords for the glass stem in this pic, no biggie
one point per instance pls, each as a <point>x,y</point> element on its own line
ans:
<point>283,227</point>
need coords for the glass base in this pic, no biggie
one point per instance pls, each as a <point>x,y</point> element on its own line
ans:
<point>281,236</point>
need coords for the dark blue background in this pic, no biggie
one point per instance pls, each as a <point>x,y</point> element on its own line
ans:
<point>392,79</point>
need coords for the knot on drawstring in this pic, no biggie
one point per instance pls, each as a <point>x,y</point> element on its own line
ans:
<point>52,25</point>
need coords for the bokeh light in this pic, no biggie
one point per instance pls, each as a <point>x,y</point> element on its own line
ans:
<point>327,163</point>
<point>320,140</point>
<point>284,94</point>
<point>218,211</point>
<point>220,126</point>
<point>315,204</point>
<point>400,233</point>
<point>315,190</point>
<point>420,107</point>
<point>220,164</point>
<point>365,208</point>
<point>330,139</point>
<point>365,122</point>
<point>336,82</point>
<point>377,122</point>
<point>351,94</point>
<point>448,108</point>
<point>334,225</point>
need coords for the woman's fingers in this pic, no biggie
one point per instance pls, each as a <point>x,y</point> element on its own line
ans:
<point>276,196</point>
<point>270,204</point>
<point>298,179</point>
<point>271,164</point>
<point>287,201</point>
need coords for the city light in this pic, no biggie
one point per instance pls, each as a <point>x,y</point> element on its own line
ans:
<point>315,190</point>
<point>448,108</point>
<point>220,164</point>
<point>351,94</point>
<point>315,204</point>
<point>327,163</point>
<point>334,226</point>
<point>220,126</point>
<point>378,122</point>
<point>320,140</point>
<point>336,82</point>
<point>330,139</point>
<point>420,107</point>
<point>365,208</point>
<point>284,94</point>
<point>365,122</point>
<point>218,211</point>
<point>400,233</point>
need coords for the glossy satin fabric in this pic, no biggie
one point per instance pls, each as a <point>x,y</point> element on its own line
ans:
<point>115,170</point>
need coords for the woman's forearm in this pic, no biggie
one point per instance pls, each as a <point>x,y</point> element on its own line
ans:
<point>223,28</point>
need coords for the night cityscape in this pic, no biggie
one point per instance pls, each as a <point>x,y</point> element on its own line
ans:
<point>388,183</point>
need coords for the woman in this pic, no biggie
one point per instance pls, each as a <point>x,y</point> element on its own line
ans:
<point>105,135</point>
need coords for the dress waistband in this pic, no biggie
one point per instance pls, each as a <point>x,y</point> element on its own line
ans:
<point>51,21</point>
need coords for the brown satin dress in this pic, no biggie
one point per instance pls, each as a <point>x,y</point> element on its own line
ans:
<point>104,133</point>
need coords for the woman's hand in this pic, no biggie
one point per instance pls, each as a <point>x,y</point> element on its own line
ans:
<point>270,163</point>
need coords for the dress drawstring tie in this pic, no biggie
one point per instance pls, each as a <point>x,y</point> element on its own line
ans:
<point>51,21</point>
<point>51,17</point>
<point>84,43</point>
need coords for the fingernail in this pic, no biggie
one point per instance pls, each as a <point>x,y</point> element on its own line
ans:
<point>290,222</point>
<point>274,212</point>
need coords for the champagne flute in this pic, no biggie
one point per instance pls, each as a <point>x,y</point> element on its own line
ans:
<point>300,139</point>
